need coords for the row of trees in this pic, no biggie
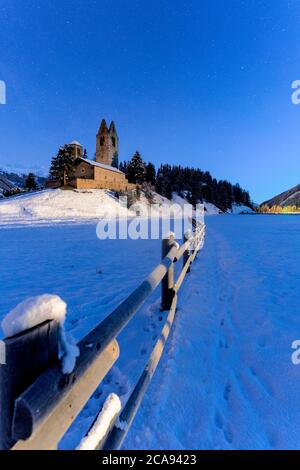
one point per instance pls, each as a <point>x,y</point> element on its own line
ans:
<point>192,183</point>
<point>137,171</point>
<point>264,209</point>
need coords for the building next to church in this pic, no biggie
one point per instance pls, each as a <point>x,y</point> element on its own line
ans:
<point>98,173</point>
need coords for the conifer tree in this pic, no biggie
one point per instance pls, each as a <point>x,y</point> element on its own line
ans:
<point>30,182</point>
<point>123,167</point>
<point>150,173</point>
<point>115,161</point>
<point>136,171</point>
<point>62,165</point>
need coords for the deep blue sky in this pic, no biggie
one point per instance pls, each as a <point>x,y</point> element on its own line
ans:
<point>201,82</point>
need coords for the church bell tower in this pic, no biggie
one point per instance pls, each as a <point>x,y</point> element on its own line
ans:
<point>107,143</point>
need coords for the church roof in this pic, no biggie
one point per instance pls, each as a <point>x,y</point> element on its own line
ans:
<point>100,165</point>
<point>75,142</point>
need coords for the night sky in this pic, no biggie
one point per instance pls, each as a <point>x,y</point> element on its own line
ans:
<point>205,83</point>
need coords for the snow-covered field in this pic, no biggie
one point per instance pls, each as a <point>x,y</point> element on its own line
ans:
<point>59,206</point>
<point>226,379</point>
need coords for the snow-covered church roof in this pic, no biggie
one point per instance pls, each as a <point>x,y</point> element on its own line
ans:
<point>75,142</point>
<point>100,165</point>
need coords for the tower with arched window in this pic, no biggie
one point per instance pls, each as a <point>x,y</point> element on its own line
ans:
<point>107,143</point>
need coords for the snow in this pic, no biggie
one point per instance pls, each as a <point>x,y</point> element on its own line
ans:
<point>176,199</point>
<point>32,312</point>
<point>69,352</point>
<point>93,277</point>
<point>67,205</point>
<point>226,379</point>
<point>211,209</point>
<point>36,310</point>
<point>100,165</point>
<point>58,205</point>
<point>110,410</point>
<point>75,142</point>
<point>241,209</point>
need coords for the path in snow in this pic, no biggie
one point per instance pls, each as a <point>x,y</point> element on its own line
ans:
<point>226,380</point>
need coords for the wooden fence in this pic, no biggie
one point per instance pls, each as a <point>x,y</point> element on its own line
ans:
<point>39,403</point>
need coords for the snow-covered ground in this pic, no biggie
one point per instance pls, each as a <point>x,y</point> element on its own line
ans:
<point>57,205</point>
<point>92,277</point>
<point>226,379</point>
<point>209,208</point>
<point>240,209</point>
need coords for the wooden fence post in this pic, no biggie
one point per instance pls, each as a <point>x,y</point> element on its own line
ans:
<point>25,357</point>
<point>186,254</point>
<point>167,283</point>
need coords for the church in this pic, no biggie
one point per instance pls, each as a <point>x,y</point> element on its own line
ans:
<point>99,173</point>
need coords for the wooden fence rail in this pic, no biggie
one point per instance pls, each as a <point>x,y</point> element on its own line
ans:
<point>41,411</point>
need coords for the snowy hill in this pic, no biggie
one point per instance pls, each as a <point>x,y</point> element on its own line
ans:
<point>291,197</point>
<point>59,205</point>
<point>241,209</point>
<point>67,205</point>
<point>209,208</point>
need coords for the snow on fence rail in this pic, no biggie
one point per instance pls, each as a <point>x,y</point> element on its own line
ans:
<point>39,401</point>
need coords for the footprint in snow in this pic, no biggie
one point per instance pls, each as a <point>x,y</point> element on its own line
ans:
<point>228,435</point>
<point>227,391</point>
<point>262,382</point>
<point>261,342</point>
<point>219,420</point>
<point>98,394</point>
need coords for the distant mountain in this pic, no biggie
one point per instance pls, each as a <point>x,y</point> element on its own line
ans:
<point>22,170</point>
<point>291,197</point>
<point>5,185</point>
<point>10,178</point>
